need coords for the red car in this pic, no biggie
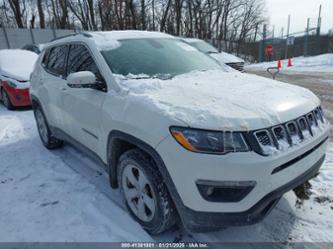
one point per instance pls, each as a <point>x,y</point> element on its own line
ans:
<point>15,68</point>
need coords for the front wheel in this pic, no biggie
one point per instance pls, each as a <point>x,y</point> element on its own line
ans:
<point>6,100</point>
<point>44,131</point>
<point>144,192</point>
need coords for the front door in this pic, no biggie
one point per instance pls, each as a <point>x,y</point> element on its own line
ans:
<point>53,83</point>
<point>83,106</point>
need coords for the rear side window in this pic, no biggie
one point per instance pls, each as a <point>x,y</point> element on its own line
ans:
<point>56,60</point>
<point>80,59</point>
<point>46,57</point>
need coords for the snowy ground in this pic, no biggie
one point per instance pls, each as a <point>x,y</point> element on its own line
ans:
<point>64,196</point>
<point>320,63</point>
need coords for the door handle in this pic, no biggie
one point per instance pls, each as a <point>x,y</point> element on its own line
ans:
<point>63,89</point>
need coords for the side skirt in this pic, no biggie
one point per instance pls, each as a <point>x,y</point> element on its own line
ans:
<point>58,133</point>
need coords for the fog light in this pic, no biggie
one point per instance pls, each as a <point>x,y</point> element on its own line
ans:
<point>210,191</point>
<point>224,191</point>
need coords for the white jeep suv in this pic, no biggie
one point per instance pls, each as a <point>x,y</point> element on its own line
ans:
<point>184,140</point>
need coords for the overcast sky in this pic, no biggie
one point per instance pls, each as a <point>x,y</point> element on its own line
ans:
<point>299,10</point>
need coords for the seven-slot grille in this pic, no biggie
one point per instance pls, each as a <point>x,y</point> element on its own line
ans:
<point>288,134</point>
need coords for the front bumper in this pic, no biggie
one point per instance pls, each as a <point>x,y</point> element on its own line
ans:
<point>186,168</point>
<point>208,221</point>
<point>18,96</point>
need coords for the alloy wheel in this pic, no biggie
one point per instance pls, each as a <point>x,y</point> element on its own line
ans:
<point>138,193</point>
<point>5,99</point>
<point>41,124</point>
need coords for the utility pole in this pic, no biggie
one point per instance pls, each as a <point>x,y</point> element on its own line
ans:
<point>318,30</point>
<point>306,40</point>
<point>319,21</point>
<point>262,43</point>
<point>288,29</point>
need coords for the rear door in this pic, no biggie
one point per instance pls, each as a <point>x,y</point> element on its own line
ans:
<point>53,83</point>
<point>83,106</point>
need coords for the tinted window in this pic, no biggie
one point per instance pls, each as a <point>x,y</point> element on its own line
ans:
<point>157,57</point>
<point>79,59</point>
<point>46,57</point>
<point>56,61</point>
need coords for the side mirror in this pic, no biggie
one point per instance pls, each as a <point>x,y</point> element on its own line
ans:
<point>81,79</point>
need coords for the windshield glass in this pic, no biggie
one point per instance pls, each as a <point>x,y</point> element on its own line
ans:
<point>156,57</point>
<point>204,47</point>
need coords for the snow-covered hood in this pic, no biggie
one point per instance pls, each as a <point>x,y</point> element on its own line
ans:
<point>17,64</point>
<point>226,57</point>
<point>222,100</point>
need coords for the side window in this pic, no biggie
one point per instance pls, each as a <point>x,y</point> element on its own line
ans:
<point>56,60</point>
<point>45,58</point>
<point>79,59</point>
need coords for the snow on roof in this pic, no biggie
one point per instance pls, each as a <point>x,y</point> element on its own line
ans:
<point>110,39</point>
<point>130,34</point>
<point>17,63</point>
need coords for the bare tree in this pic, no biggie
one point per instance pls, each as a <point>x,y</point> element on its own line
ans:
<point>228,24</point>
<point>41,14</point>
<point>15,5</point>
<point>60,13</point>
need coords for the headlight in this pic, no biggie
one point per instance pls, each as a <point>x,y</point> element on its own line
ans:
<point>213,142</point>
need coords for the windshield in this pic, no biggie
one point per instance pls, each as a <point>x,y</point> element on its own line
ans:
<point>155,57</point>
<point>204,47</point>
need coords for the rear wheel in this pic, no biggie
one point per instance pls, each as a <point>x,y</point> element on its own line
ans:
<point>44,131</point>
<point>144,192</point>
<point>6,100</point>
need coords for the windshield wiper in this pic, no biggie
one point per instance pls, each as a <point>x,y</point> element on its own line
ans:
<point>212,52</point>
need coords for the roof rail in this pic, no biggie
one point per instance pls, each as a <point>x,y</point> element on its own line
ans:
<point>74,34</point>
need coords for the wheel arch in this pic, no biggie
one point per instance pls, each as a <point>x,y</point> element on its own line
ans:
<point>119,142</point>
<point>35,102</point>
<point>116,140</point>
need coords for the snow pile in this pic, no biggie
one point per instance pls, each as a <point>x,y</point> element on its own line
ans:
<point>221,100</point>
<point>17,64</point>
<point>44,199</point>
<point>319,63</point>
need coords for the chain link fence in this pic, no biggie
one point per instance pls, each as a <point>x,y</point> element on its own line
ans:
<point>301,46</point>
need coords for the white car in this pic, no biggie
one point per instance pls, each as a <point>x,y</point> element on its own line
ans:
<point>222,57</point>
<point>183,139</point>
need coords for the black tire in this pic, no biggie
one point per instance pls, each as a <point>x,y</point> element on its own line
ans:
<point>165,213</point>
<point>49,141</point>
<point>6,100</point>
